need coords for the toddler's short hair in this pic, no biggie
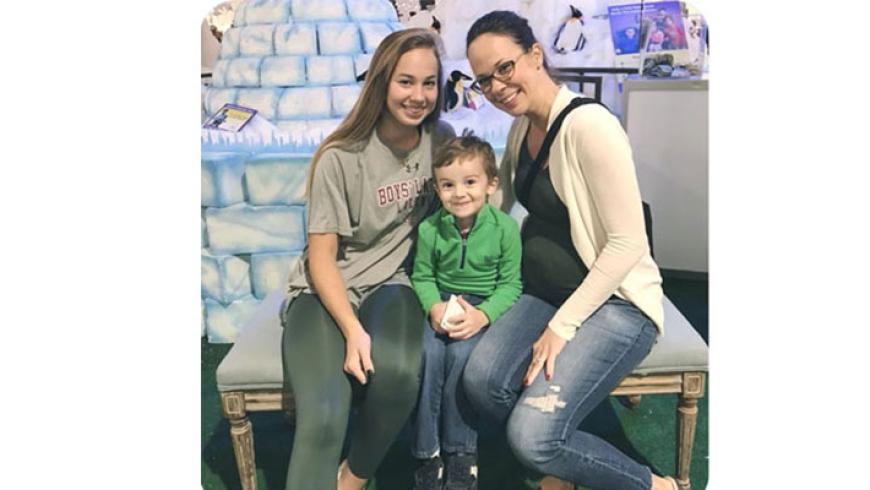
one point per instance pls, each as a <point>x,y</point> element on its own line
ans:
<point>463,147</point>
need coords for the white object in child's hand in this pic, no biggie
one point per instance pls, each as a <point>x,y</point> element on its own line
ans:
<point>453,309</point>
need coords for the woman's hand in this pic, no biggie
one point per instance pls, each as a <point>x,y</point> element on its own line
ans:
<point>544,353</point>
<point>357,355</point>
<point>436,313</point>
<point>467,324</point>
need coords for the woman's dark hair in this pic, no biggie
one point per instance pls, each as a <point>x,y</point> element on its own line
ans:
<point>505,23</point>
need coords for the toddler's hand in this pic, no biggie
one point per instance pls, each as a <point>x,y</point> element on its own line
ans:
<point>467,324</point>
<point>435,315</point>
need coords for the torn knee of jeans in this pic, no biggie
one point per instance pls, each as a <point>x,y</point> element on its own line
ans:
<point>547,403</point>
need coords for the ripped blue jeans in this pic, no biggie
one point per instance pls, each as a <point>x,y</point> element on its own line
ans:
<point>542,419</point>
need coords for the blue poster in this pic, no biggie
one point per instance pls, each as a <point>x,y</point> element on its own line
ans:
<point>659,27</point>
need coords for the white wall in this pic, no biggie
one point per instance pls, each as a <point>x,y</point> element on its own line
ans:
<point>667,123</point>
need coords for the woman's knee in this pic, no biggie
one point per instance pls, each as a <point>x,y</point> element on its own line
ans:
<point>475,380</point>
<point>529,439</point>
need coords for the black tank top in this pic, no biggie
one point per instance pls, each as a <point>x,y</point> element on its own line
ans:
<point>551,268</point>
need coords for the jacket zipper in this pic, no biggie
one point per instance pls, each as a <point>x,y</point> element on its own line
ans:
<point>464,239</point>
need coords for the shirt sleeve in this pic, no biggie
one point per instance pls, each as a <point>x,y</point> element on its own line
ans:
<point>423,275</point>
<point>603,153</point>
<point>508,286</point>
<point>328,210</point>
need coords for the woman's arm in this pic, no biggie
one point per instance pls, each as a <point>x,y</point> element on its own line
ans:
<point>330,288</point>
<point>605,162</point>
<point>603,157</point>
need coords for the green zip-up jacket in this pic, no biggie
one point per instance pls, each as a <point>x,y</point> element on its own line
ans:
<point>486,263</point>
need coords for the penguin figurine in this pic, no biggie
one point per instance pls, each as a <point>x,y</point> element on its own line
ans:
<point>570,36</point>
<point>454,91</point>
<point>473,98</point>
<point>436,25</point>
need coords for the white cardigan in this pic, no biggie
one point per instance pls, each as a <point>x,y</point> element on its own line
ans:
<point>593,174</point>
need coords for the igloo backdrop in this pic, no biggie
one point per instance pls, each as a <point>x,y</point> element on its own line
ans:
<point>296,62</point>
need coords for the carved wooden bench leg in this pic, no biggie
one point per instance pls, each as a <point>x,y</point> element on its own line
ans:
<point>687,418</point>
<point>233,405</point>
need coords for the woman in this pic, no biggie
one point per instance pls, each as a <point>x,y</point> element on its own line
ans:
<point>592,301</point>
<point>352,321</point>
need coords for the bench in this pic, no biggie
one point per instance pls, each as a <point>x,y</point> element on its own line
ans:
<point>250,379</point>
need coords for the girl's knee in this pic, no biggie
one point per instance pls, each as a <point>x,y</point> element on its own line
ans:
<point>402,377</point>
<point>321,424</point>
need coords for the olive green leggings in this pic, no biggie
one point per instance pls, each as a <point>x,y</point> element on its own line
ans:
<point>313,351</point>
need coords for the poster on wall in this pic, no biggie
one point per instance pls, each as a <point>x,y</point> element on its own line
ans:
<point>640,30</point>
<point>230,117</point>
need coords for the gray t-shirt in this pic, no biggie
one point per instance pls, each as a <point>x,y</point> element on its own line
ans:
<point>373,197</point>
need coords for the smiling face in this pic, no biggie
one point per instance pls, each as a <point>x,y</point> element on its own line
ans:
<point>463,187</point>
<point>413,88</point>
<point>489,54</point>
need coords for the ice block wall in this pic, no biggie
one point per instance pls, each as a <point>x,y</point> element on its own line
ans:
<point>296,62</point>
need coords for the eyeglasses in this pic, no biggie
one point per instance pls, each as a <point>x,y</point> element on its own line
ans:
<point>502,73</point>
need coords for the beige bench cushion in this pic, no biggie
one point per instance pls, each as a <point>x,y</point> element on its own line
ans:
<point>254,361</point>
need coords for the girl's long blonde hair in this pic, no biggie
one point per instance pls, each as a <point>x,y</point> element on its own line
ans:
<point>362,119</point>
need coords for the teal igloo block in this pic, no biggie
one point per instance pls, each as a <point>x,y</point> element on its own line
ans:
<point>219,73</point>
<point>203,237</point>
<point>225,278</point>
<point>296,39</point>
<point>276,178</point>
<point>343,98</point>
<point>224,322</point>
<point>230,43</point>
<point>215,98</point>
<point>361,63</point>
<point>221,183</point>
<point>246,229</point>
<point>318,10</point>
<point>243,72</point>
<point>267,12</point>
<point>375,32</point>
<point>339,38</point>
<point>305,103</point>
<point>264,100</point>
<point>257,40</point>
<point>283,71</point>
<point>330,70</point>
<point>270,272</point>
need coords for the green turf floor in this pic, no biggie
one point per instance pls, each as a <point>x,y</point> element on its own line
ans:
<point>647,433</point>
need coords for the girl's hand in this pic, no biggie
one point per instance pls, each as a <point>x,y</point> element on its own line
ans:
<point>435,315</point>
<point>467,324</point>
<point>544,353</point>
<point>357,356</point>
